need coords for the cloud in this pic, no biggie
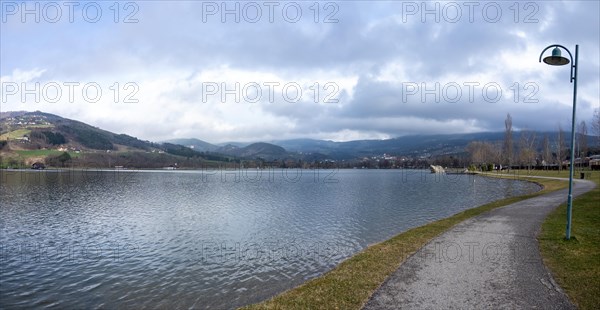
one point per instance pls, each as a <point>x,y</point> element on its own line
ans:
<point>367,59</point>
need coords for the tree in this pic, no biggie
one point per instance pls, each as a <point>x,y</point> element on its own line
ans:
<point>482,153</point>
<point>596,124</point>
<point>63,158</point>
<point>560,146</point>
<point>527,152</point>
<point>475,149</point>
<point>583,145</point>
<point>496,152</point>
<point>546,152</point>
<point>508,141</point>
<point>54,138</point>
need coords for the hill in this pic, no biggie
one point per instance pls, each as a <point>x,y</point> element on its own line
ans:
<point>195,144</point>
<point>261,150</point>
<point>26,137</point>
<point>37,136</point>
<point>41,127</point>
<point>416,145</point>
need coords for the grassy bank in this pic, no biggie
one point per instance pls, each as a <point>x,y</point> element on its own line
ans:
<point>351,283</point>
<point>575,264</point>
<point>37,153</point>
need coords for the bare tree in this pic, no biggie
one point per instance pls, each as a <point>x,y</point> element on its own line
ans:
<point>596,124</point>
<point>508,141</point>
<point>582,139</point>
<point>496,150</point>
<point>475,149</point>
<point>560,146</point>
<point>546,152</point>
<point>527,152</point>
<point>482,152</point>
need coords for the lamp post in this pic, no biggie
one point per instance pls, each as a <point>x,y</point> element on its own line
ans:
<point>557,60</point>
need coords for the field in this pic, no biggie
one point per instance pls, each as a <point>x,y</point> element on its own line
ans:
<point>19,158</point>
<point>15,134</point>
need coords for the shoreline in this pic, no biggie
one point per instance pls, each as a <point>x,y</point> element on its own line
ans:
<point>340,287</point>
<point>406,251</point>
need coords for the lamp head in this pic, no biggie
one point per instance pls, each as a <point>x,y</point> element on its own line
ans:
<point>556,59</point>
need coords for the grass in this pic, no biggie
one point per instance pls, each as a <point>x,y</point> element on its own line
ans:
<point>575,264</point>
<point>15,134</point>
<point>351,283</point>
<point>32,153</point>
<point>18,158</point>
<point>36,153</point>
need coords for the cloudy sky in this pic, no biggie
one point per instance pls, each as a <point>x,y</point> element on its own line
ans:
<point>261,71</point>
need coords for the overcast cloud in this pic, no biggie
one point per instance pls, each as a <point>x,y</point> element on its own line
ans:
<point>366,70</point>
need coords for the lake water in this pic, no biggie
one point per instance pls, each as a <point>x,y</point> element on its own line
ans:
<point>205,239</point>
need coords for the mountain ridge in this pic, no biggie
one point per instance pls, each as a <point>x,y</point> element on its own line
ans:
<point>40,130</point>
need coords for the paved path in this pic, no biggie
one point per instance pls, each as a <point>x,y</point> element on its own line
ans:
<point>491,261</point>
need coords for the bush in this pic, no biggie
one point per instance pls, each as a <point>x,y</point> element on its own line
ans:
<point>15,163</point>
<point>59,160</point>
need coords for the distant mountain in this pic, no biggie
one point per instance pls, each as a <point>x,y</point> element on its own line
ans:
<point>411,146</point>
<point>236,144</point>
<point>195,144</point>
<point>255,150</point>
<point>261,150</point>
<point>37,130</point>
<point>407,145</point>
<point>416,145</point>
<point>228,149</point>
<point>307,145</point>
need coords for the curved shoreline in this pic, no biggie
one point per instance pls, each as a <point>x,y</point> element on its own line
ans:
<point>503,267</point>
<point>353,281</point>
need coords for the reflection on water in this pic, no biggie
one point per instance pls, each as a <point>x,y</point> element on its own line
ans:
<point>205,239</point>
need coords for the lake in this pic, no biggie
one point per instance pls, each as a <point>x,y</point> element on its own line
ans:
<point>205,239</point>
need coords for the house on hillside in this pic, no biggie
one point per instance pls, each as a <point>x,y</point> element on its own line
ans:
<point>23,139</point>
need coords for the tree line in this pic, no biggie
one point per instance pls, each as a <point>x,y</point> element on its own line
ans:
<point>532,149</point>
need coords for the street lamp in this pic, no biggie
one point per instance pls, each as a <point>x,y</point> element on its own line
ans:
<point>557,60</point>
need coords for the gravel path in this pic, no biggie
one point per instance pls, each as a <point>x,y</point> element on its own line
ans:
<point>490,261</point>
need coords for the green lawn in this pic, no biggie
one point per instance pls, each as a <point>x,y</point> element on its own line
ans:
<point>351,283</point>
<point>575,264</point>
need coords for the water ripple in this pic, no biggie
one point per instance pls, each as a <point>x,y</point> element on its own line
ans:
<point>148,239</point>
